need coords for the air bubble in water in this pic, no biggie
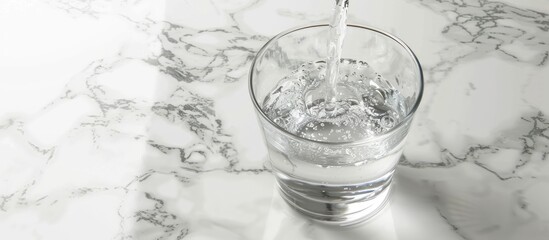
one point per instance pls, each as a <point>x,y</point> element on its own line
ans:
<point>387,121</point>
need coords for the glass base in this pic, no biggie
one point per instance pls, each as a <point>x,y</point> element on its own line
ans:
<point>340,205</point>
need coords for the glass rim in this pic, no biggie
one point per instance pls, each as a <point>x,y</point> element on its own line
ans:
<point>356,142</point>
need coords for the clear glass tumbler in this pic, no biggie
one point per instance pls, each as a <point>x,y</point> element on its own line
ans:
<point>340,183</point>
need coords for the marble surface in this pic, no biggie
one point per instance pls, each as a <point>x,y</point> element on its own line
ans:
<point>130,119</point>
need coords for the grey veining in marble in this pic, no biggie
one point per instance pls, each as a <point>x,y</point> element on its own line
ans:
<point>130,119</point>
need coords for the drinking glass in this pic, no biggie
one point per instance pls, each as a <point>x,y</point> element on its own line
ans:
<point>339,183</point>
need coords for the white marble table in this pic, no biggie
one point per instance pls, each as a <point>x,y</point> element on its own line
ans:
<point>130,119</point>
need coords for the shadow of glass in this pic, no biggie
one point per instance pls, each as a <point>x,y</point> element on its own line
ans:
<point>467,202</point>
